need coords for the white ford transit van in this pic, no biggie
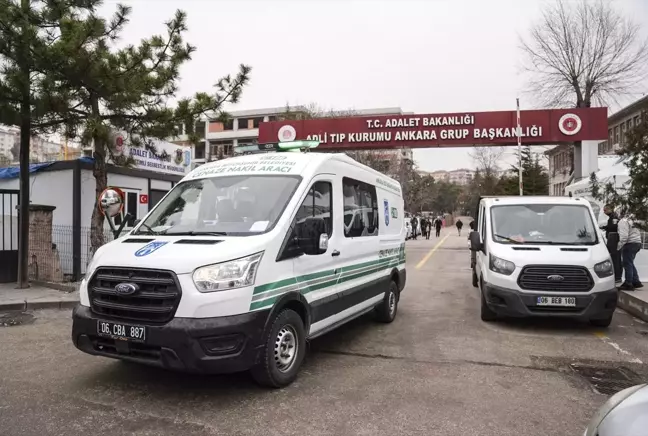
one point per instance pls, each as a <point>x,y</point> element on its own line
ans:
<point>541,256</point>
<point>243,261</point>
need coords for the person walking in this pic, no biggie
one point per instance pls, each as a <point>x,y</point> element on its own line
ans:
<point>424,226</point>
<point>437,225</point>
<point>429,227</point>
<point>629,246</point>
<point>414,223</point>
<point>612,227</point>
<point>459,225</point>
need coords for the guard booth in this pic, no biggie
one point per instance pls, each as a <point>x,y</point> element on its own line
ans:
<point>8,235</point>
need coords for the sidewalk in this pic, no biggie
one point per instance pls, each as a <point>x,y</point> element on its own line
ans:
<point>635,303</point>
<point>36,297</point>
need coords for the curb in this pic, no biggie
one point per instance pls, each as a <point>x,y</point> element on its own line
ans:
<point>37,305</point>
<point>58,286</point>
<point>633,305</point>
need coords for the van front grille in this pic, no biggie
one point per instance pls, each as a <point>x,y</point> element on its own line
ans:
<point>555,278</point>
<point>155,300</point>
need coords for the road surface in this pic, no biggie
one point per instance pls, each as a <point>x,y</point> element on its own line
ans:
<point>436,370</point>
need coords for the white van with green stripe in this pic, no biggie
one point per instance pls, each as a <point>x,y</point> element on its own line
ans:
<point>245,260</point>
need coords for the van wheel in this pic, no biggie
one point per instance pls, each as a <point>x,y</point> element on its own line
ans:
<point>475,279</point>
<point>487,313</point>
<point>601,322</point>
<point>283,351</point>
<point>386,311</point>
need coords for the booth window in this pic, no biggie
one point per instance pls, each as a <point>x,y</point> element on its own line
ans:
<point>130,206</point>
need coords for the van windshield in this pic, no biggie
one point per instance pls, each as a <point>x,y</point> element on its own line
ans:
<point>226,205</point>
<point>551,224</point>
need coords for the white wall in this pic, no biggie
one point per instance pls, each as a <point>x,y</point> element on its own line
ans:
<point>161,185</point>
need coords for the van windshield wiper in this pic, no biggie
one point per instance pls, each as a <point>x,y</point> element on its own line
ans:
<point>149,231</point>
<point>506,238</point>
<point>194,233</point>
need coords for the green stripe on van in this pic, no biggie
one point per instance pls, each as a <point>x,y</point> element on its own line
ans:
<point>379,265</point>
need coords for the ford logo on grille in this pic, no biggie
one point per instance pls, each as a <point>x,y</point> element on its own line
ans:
<point>555,278</point>
<point>126,288</point>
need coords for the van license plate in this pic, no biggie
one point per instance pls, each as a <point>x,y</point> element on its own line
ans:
<point>557,301</point>
<point>121,332</point>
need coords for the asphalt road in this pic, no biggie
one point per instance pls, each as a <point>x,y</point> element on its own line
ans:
<point>436,370</point>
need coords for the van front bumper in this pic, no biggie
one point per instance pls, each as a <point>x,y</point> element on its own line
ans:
<point>200,345</point>
<point>513,303</point>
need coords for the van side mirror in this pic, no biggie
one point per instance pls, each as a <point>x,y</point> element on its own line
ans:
<point>312,236</point>
<point>475,241</point>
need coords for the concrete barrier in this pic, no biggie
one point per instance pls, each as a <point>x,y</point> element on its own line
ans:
<point>635,303</point>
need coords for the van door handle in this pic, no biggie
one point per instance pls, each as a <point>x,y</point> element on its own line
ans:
<point>335,253</point>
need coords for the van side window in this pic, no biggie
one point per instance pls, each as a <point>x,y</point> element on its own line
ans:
<point>483,229</point>
<point>360,208</point>
<point>318,204</point>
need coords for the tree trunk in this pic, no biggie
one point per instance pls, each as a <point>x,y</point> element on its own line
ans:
<point>101,182</point>
<point>25,137</point>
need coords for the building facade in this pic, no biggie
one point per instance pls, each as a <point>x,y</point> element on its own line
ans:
<point>40,149</point>
<point>561,167</point>
<point>561,158</point>
<point>620,123</point>
<point>219,140</point>
<point>461,176</point>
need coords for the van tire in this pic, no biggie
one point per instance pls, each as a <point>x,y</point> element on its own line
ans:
<point>475,279</point>
<point>601,322</point>
<point>387,309</point>
<point>487,313</point>
<point>286,329</point>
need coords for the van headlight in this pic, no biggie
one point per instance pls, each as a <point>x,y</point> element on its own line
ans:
<point>604,269</point>
<point>227,275</point>
<point>609,406</point>
<point>501,266</point>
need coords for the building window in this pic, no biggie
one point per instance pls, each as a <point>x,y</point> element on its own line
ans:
<point>200,129</point>
<point>200,151</point>
<point>360,209</point>
<point>242,123</point>
<point>317,204</point>
<point>257,121</point>
<point>272,118</point>
<point>637,120</point>
<point>616,134</point>
<point>228,124</point>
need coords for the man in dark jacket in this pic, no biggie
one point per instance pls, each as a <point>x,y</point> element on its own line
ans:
<point>414,223</point>
<point>613,221</point>
<point>612,228</point>
<point>437,226</point>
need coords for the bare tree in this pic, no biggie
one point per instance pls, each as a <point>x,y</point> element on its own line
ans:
<point>584,53</point>
<point>487,159</point>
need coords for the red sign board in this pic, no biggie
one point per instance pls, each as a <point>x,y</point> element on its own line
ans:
<point>143,198</point>
<point>538,127</point>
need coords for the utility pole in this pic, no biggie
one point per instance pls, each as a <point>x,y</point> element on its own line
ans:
<point>25,135</point>
<point>519,144</point>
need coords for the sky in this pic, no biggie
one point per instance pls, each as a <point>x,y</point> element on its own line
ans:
<point>424,56</point>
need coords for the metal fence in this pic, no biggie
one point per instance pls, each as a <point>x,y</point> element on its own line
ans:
<point>52,253</point>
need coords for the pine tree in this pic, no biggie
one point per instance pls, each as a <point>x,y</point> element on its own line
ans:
<point>88,89</point>
<point>534,176</point>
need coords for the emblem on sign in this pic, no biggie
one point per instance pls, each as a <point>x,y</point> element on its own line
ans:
<point>386,213</point>
<point>150,248</point>
<point>570,124</point>
<point>287,133</point>
<point>394,212</point>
